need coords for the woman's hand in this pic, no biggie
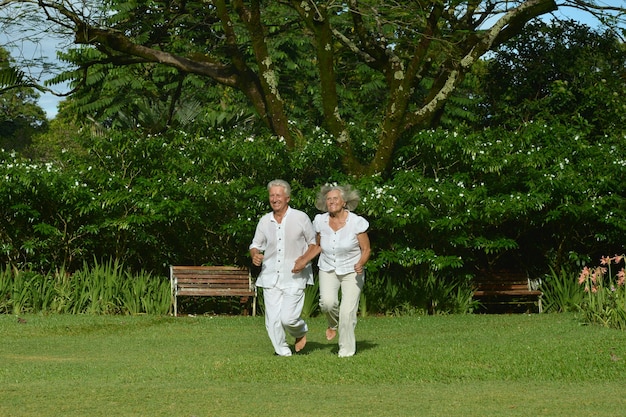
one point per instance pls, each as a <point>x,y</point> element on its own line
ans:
<point>299,265</point>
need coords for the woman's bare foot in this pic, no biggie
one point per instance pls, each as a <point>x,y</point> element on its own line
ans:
<point>330,333</point>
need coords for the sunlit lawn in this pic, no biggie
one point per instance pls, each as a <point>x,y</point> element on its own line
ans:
<point>474,365</point>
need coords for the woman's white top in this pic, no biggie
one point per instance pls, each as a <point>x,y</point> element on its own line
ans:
<point>340,248</point>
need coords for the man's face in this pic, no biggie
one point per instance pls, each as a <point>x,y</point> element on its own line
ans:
<point>278,199</point>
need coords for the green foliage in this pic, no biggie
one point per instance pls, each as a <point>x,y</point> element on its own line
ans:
<point>456,202</point>
<point>562,71</point>
<point>104,288</point>
<point>396,291</point>
<point>148,201</point>
<point>311,300</point>
<point>511,198</point>
<point>376,65</point>
<point>146,97</point>
<point>20,116</point>
<point>561,292</point>
<point>9,77</point>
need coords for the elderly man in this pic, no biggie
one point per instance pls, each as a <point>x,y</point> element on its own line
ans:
<point>284,245</point>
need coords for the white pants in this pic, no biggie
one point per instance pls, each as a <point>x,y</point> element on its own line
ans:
<point>282,315</point>
<point>341,316</point>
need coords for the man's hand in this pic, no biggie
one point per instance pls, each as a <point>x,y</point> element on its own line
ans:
<point>257,259</point>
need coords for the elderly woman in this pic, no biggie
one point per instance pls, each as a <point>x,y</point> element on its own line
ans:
<point>345,249</point>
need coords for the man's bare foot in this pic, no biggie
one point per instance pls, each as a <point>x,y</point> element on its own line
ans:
<point>300,343</point>
<point>330,333</point>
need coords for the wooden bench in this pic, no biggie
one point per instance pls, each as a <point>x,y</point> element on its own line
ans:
<point>212,281</point>
<point>507,287</point>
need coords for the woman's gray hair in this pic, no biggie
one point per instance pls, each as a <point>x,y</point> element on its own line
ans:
<point>349,195</point>
<point>280,183</point>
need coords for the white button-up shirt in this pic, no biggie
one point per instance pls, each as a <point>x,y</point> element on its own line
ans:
<point>283,243</point>
<point>340,248</point>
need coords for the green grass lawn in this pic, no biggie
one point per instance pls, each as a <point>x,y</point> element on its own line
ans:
<point>469,365</point>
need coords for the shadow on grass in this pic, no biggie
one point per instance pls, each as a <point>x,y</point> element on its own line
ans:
<point>332,347</point>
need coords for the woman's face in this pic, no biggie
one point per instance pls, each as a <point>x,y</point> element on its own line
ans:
<point>334,202</point>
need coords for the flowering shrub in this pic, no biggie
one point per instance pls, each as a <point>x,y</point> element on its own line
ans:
<point>605,293</point>
<point>455,202</point>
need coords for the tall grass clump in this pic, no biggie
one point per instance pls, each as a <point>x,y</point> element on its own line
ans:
<point>101,288</point>
<point>604,300</point>
<point>311,300</point>
<point>25,291</point>
<point>421,291</point>
<point>561,293</point>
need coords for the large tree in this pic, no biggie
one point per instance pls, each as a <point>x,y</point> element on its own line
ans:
<point>389,65</point>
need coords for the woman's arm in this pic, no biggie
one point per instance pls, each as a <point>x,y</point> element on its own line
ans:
<point>364,244</point>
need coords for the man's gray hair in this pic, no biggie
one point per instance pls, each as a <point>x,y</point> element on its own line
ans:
<point>349,195</point>
<point>280,183</point>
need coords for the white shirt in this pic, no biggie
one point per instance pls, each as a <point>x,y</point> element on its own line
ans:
<point>340,248</point>
<point>283,243</point>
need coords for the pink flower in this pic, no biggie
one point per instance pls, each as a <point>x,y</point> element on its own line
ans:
<point>605,260</point>
<point>618,258</point>
<point>584,274</point>
<point>594,275</point>
<point>594,289</point>
<point>598,274</point>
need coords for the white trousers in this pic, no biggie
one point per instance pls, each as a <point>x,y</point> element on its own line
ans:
<point>282,315</point>
<point>341,316</point>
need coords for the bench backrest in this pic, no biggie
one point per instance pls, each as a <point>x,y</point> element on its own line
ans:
<point>502,281</point>
<point>214,277</point>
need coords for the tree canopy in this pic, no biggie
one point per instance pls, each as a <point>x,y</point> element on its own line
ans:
<point>387,67</point>
<point>20,115</point>
<point>561,71</point>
